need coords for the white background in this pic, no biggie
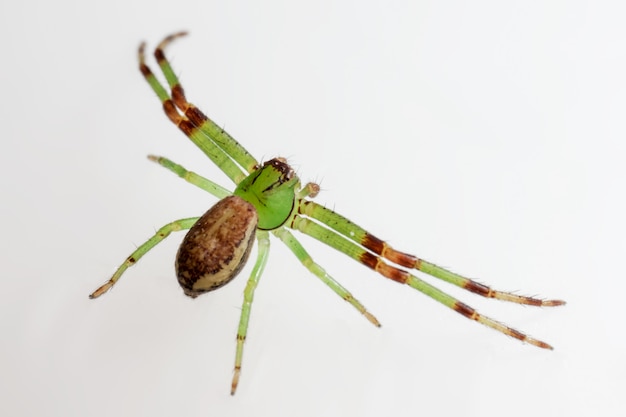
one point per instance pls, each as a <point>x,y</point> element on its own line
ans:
<point>484,136</point>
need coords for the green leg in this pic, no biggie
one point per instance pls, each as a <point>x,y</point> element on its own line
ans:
<point>248,298</point>
<point>195,115</point>
<point>306,260</point>
<point>205,143</point>
<point>161,234</point>
<point>373,244</point>
<point>191,177</point>
<point>376,263</point>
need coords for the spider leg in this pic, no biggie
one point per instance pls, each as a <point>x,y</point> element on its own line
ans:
<point>377,246</point>
<point>248,298</point>
<point>378,264</point>
<point>160,235</point>
<point>201,140</point>
<point>221,138</point>
<point>191,177</point>
<point>306,260</point>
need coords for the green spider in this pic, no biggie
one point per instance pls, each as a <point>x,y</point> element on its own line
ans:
<point>269,198</point>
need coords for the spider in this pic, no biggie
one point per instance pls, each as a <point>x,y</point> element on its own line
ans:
<point>269,198</point>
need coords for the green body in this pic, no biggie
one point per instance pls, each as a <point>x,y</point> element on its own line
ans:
<point>271,190</point>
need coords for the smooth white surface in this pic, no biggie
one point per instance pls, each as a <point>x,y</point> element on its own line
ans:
<point>485,136</point>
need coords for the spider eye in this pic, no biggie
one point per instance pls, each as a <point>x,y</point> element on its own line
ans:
<point>280,165</point>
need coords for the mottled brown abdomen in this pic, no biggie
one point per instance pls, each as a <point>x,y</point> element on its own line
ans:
<point>217,246</point>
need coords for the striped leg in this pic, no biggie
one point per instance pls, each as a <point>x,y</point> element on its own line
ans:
<point>375,245</point>
<point>161,234</point>
<point>202,141</point>
<point>378,264</point>
<point>196,116</point>
<point>248,296</point>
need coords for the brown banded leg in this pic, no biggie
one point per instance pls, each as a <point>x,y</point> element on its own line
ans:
<point>378,264</point>
<point>196,116</point>
<point>219,157</point>
<point>378,247</point>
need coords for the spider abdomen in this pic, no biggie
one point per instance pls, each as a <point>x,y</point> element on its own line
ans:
<point>217,246</point>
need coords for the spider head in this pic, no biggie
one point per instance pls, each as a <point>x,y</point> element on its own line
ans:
<point>271,190</point>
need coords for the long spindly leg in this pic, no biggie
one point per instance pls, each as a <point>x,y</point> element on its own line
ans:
<point>248,297</point>
<point>377,263</point>
<point>377,246</point>
<point>306,260</point>
<point>160,235</point>
<point>202,141</point>
<point>226,142</point>
<point>191,177</point>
